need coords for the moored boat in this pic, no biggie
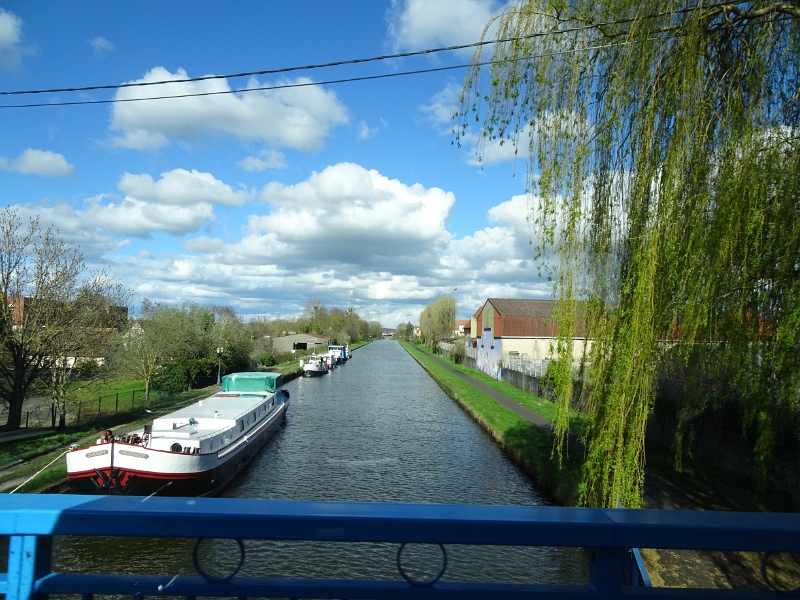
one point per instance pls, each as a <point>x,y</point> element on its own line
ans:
<point>314,365</point>
<point>339,352</point>
<point>193,451</point>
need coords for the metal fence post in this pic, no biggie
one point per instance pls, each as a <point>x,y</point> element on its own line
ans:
<point>133,395</point>
<point>116,403</point>
<point>99,400</point>
<point>79,411</point>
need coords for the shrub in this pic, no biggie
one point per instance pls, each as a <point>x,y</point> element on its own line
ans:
<point>265,359</point>
<point>284,357</point>
<point>458,353</point>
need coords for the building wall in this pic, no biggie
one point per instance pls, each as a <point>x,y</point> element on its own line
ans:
<point>525,326</point>
<point>488,329</point>
<point>539,348</point>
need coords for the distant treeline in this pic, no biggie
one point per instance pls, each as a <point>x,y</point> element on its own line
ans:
<point>343,326</point>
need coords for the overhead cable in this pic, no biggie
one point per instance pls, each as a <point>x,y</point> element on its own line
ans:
<point>315,83</point>
<point>345,62</point>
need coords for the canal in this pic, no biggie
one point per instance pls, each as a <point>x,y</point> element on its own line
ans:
<point>376,429</point>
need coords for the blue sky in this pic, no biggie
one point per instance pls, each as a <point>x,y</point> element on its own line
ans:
<point>352,193</point>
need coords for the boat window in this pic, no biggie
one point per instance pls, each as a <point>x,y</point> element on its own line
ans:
<point>254,416</point>
<point>241,425</point>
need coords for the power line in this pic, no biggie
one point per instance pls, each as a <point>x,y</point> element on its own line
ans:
<point>314,83</point>
<point>343,80</point>
<point>339,63</point>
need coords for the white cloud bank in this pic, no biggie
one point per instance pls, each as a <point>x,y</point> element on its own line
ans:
<point>418,24</point>
<point>354,237</point>
<point>38,162</point>
<point>10,39</point>
<point>180,187</point>
<point>299,118</point>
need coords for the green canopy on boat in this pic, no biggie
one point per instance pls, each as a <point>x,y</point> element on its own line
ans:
<point>251,382</point>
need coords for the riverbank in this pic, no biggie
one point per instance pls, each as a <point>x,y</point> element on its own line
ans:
<point>293,370</point>
<point>695,488</point>
<point>530,445</point>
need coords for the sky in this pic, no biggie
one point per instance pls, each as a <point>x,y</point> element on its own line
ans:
<point>351,193</point>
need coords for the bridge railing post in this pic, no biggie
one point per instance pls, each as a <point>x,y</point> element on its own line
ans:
<point>29,558</point>
<point>605,571</point>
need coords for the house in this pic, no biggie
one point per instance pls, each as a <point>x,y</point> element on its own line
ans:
<point>520,327</point>
<point>461,326</point>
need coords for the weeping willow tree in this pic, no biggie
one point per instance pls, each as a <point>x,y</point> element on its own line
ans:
<point>664,184</point>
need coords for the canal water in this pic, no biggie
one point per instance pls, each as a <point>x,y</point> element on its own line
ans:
<point>376,429</point>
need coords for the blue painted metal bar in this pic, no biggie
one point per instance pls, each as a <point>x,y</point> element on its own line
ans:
<point>31,521</point>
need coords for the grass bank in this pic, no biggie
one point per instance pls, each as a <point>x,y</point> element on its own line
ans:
<point>530,447</point>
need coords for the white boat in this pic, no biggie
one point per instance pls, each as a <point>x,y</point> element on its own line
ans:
<point>314,365</point>
<point>348,352</point>
<point>338,352</point>
<point>193,451</point>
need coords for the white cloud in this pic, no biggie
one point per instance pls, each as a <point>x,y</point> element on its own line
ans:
<point>497,151</point>
<point>266,159</point>
<point>10,38</point>
<point>417,24</point>
<point>39,162</point>
<point>299,118</point>
<point>182,188</point>
<point>134,217</point>
<point>101,45</point>
<point>365,132</point>
<point>442,105</point>
<point>355,237</point>
<point>370,216</point>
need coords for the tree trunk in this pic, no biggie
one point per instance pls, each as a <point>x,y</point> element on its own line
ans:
<point>15,407</point>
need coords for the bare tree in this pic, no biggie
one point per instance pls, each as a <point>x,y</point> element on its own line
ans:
<point>97,312</point>
<point>41,283</point>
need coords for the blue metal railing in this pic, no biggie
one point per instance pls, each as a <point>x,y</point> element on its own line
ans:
<point>607,535</point>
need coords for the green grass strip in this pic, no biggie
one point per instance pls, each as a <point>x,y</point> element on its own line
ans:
<point>527,444</point>
<point>530,401</point>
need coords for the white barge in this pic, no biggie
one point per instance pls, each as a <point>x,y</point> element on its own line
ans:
<point>193,451</point>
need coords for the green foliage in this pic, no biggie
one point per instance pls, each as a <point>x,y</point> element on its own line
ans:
<point>438,320</point>
<point>265,359</point>
<point>345,326</point>
<point>664,177</point>
<point>458,353</point>
<point>168,346</point>
<point>404,331</point>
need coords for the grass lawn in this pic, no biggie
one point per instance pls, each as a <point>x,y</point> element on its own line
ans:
<point>530,401</point>
<point>355,345</point>
<point>531,446</point>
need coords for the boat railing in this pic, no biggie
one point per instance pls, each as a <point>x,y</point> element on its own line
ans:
<point>606,535</point>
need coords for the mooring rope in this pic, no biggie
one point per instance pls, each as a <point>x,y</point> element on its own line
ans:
<point>42,470</point>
